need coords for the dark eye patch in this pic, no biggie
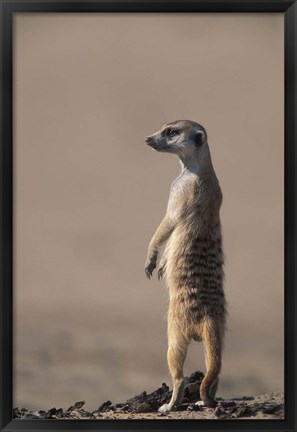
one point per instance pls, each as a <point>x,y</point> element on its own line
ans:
<point>170,132</point>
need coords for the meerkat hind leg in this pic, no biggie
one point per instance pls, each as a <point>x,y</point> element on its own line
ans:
<point>176,355</point>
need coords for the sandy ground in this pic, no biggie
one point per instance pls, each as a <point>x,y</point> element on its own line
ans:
<point>265,407</point>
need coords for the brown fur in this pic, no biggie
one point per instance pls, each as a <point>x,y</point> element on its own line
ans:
<point>193,258</point>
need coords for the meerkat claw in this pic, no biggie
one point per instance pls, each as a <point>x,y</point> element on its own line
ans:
<point>148,272</point>
<point>149,268</point>
<point>161,273</point>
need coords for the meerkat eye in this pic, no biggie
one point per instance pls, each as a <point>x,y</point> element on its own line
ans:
<point>172,132</point>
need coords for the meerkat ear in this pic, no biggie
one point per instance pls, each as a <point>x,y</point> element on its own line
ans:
<point>199,138</point>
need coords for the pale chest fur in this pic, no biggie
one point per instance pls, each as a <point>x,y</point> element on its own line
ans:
<point>195,256</point>
<point>194,202</point>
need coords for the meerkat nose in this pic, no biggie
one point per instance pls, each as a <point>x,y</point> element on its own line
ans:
<point>148,139</point>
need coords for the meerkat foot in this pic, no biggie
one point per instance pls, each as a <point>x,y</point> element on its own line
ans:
<point>165,408</point>
<point>210,404</point>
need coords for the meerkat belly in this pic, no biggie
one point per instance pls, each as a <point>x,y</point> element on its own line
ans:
<point>195,275</point>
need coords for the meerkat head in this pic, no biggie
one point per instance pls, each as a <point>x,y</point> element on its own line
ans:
<point>182,137</point>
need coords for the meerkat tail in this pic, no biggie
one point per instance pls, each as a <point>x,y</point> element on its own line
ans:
<point>212,338</point>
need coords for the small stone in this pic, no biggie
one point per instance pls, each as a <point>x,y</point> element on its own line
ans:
<point>182,407</point>
<point>104,407</point>
<point>118,410</point>
<point>144,407</point>
<point>51,413</point>
<point>60,413</point>
<point>31,416</point>
<point>241,411</point>
<point>227,404</point>
<point>269,409</point>
<point>194,407</point>
<point>77,405</point>
<point>219,412</point>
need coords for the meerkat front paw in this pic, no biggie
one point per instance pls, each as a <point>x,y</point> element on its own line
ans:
<point>149,268</point>
<point>165,408</point>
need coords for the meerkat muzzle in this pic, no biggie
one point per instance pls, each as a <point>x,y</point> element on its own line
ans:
<point>151,142</point>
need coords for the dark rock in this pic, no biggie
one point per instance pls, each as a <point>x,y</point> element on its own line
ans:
<point>84,414</point>
<point>227,404</point>
<point>182,407</point>
<point>192,388</point>
<point>51,413</point>
<point>270,408</point>
<point>144,407</point>
<point>16,413</point>
<point>194,407</point>
<point>77,405</point>
<point>148,402</point>
<point>30,416</point>
<point>104,407</point>
<point>241,411</point>
<point>60,413</point>
<point>219,412</point>
<point>118,410</point>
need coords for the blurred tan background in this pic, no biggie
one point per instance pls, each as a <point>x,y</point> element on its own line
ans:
<point>89,194</point>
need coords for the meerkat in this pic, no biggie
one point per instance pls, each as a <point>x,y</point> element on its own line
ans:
<point>192,263</point>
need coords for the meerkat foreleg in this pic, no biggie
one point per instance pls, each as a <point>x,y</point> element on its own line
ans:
<point>161,235</point>
<point>176,354</point>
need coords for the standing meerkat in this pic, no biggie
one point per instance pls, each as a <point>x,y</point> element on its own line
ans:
<point>192,263</point>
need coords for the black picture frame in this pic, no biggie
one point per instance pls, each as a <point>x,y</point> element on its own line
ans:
<point>8,8</point>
